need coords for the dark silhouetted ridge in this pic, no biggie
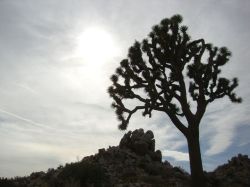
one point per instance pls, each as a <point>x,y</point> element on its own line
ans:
<point>134,163</point>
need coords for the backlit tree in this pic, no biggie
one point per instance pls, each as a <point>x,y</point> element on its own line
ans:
<point>168,72</point>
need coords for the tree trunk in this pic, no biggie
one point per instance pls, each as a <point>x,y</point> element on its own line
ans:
<point>197,175</point>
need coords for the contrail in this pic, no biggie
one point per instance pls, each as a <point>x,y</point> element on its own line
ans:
<point>23,119</point>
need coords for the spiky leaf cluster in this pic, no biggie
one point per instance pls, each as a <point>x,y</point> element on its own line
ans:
<point>157,66</point>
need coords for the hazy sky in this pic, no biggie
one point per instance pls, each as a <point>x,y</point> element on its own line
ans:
<point>54,107</point>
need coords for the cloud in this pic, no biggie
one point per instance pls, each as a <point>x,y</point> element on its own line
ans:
<point>223,124</point>
<point>22,118</point>
<point>177,155</point>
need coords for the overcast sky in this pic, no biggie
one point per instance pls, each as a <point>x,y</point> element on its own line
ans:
<point>54,107</point>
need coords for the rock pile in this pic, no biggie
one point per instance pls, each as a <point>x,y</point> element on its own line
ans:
<point>141,143</point>
<point>235,173</point>
<point>134,163</point>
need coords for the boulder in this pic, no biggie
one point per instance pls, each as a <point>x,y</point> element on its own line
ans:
<point>137,135</point>
<point>126,140</point>
<point>140,147</point>
<point>156,156</point>
<point>139,142</point>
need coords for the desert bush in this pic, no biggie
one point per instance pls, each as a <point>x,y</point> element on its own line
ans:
<point>6,183</point>
<point>85,173</point>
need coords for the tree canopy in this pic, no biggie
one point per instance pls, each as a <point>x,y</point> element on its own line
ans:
<point>157,66</point>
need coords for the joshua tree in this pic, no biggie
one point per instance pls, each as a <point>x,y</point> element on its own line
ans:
<point>169,72</point>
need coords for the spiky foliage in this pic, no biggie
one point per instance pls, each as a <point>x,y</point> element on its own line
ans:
<point>157,66</point>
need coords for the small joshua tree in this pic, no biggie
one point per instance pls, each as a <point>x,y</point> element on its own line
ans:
<point>168,72</point>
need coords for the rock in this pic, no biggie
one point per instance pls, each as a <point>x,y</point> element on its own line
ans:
<point>151,145</point>
<point>235,173</point>
<point>134,163</point>
<point>156,156</point>
<point>153,168</point>
<point>149,135</point>
<point>140,147</point>
<point>101,151</point>
<point>167,164</point>
<point>137,135</point>
<point>126,140</point>
<point>139,142</point>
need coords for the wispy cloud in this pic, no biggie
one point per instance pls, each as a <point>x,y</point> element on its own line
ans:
<point>223,125</point>
<point>27,88</point>
<point>177,155</point>
<point>23,119</point>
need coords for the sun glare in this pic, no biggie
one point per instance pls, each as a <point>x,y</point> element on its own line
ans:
<point>95,46</point>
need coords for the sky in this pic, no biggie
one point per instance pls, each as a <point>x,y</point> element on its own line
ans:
<point>56,59</point>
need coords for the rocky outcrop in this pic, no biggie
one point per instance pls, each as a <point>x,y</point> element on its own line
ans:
<point>236,173</point>
<point>134,163</point>
<point>141,143</point>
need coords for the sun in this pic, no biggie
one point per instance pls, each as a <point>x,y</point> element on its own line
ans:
<point>96,46</point>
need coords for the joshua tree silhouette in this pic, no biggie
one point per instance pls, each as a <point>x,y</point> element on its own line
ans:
<point>168,72</point>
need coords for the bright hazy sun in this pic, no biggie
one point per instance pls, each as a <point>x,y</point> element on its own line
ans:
<point>95,46</point>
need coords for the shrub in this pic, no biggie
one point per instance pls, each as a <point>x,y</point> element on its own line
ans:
<point>85,173</point>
